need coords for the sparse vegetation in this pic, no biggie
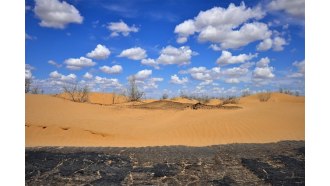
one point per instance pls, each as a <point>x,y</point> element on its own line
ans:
<point>184,95</point>
<point>204,99</point>
<point>230,100</point>
<point>28,82</point>
<point>133,93</point>
<point>281,90</point>
<point>264,97</point>
<point>76,93</point>
<point>165,96</point>
<point>245,93</point>
<point>36,90</point>
<point>289,92</point>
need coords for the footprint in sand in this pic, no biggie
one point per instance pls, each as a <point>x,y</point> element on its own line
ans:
<point>65,128</point>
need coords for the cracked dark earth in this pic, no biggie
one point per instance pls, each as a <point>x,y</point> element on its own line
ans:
<point>281,163</point>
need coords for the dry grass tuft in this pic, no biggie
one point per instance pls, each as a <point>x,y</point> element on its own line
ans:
<point>230,100</point>
<point>264,97</point>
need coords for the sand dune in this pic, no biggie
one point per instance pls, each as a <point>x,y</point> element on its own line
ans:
<point>53,121</point>
<point>275,97</point>
<point>214,102</point>
<point>184,100</point>
<point>100,98</point>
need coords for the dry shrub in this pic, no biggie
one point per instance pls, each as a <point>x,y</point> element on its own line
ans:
<point>230,100</point>
<point>245,93</point>
<point>76,93</point>
<point>133,93</point>
<point>264,97</point>
<point>165,96</point>
<point>36,90</point>
<point>28,82</point>
<point>202,99</point>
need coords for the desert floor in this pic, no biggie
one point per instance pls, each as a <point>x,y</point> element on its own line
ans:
<point>55,121</point>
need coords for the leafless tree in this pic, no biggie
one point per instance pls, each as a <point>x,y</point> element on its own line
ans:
<point>28,82</point>
<point>133,93</point>
<point>36,90</point>
<point>245,93</point>
<point>76,93</point>
<point>165,96</point>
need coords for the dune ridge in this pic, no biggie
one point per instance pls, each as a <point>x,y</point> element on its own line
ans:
<point>52,121</point>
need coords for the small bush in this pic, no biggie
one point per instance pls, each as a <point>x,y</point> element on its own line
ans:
<point>184,95</point>
<point>165,96</point>
<point>281,90</point>
<point>28,82</point>
<point>264,97</point>
<point>246,93</point>
<point>202,99</point>
<point>36,90</point>
<point>230,100</point>
<point>76,93</point>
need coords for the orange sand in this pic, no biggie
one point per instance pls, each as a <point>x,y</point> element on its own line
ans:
<point>53,121</point>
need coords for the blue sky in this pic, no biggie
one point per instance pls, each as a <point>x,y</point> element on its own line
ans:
<point>214,48</point>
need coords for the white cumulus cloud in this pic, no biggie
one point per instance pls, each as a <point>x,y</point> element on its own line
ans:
<point>203,74</point>
<point>28,71</point>
<point>150,62</point>
<point>227,58</point>
<point>171,55</point>
<point>265,45</point>
<point>88,75</point>
<point>103,83</point>
<point>300,65</point>
<point>277,44</point>
<point>116,69</point>
<point>56,14</point>
<point>62,78</point>
<point>52,62</point>
<point>184,30</point>
<point>262,72</point>
<point>295,8</point>
<point>215,47</point>
<point>121,27</point>
<point>263,62</point>
<point>100,52</point>
<point>135,53</point>
<point>143,74</point>
<point>151,83</point>
<point>176,80</point>
<point>232,80</point>
<point>235,71</point>
<point>229,27</point>
<point>78,63</point>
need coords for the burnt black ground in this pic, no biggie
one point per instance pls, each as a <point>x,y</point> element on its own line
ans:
<point>281,163</point>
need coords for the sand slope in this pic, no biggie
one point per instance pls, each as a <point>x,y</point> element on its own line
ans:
<point>53,121</point>
<point>100,98</point>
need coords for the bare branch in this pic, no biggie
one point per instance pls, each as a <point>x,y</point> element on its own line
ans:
<point>134,94</point>
<point>76,93</point>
